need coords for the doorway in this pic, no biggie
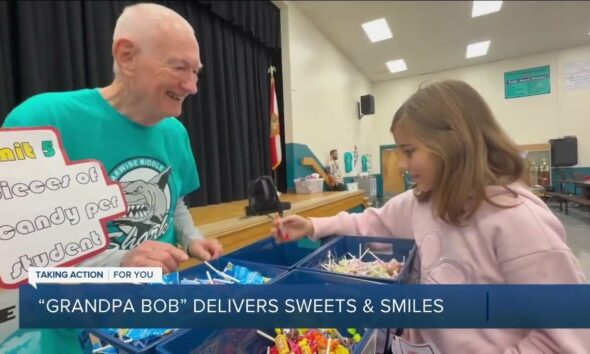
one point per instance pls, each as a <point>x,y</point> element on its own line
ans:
<point>393,179</point>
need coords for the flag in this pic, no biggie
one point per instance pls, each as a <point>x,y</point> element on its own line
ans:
<point>275,127</point>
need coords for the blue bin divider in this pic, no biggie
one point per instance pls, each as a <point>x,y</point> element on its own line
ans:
<point>124,348</point>
<point>200,270</point>
<point>267,251</point>
<point>385,248</point>
<point>241,341</point>
<point>300,276</point>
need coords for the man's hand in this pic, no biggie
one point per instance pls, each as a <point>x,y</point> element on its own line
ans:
<point>205,249</point>
<point>155,254</point>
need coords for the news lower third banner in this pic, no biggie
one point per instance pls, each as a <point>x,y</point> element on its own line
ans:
<point>317,306</point>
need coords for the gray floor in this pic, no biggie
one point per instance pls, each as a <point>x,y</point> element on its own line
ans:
<point>577,226</point>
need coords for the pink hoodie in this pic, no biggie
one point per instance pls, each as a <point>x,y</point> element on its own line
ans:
<point>520,245</point>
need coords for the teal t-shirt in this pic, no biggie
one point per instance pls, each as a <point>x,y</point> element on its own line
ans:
<point>43,341</point>
<point>155,165</point>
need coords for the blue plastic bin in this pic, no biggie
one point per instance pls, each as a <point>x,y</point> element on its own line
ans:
<point>385,248</point>
<point>125,348</point>
<point>267,251</point>
<point>240,341</point>
<point>200,271</point>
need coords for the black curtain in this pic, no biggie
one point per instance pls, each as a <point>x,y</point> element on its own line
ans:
<point>66,45</point>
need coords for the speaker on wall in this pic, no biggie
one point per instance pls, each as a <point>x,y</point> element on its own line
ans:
<point>564,151</point>
<point>367,105</point>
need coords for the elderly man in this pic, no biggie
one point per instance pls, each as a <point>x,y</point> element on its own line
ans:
<point>130,127</point>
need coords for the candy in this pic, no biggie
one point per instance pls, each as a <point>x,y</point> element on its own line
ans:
<point>295,349</point>
<point>350,264</point>
<point>304,345</point>
<point>281,343</point>
<point>312,341</point>
<point>231,274</point>
<point>266,336</point>
<point>341,350</point>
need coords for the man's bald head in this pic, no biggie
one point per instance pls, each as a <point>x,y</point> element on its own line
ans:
<point>146,24</point>
<point>156,63</point>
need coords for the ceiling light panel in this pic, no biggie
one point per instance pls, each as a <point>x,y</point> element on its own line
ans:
<point>377,30</point>
<point>477,49</point>
<point>481,8</point>
<point>395,66</point>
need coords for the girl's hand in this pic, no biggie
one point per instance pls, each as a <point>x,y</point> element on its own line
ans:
<point>291,228</point>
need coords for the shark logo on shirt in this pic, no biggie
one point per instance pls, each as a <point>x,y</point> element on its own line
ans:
<point>148,204</point>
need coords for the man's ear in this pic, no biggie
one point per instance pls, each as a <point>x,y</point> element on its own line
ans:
<point>124,54</point>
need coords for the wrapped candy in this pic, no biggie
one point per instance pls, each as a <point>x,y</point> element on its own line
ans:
<point>295,349</point>
<point>340,349</point>
<point>356,266</point>
<point>311,341</point>
<point>281,343</point>
<point>304,345</point>
<point>232,273</point>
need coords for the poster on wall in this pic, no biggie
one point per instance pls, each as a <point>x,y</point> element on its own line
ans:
<point>527,82</point>
<point>577,75</point>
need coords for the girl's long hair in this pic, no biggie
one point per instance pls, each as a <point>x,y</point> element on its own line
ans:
<point>471,148</point>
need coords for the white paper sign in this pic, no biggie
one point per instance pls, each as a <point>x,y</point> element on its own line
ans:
<point>53,212</point>
<point>577,75</point>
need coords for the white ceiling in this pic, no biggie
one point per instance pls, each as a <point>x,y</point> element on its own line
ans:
<point>432,36</point>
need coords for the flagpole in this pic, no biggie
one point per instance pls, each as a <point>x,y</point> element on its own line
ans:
<point>271,71</point>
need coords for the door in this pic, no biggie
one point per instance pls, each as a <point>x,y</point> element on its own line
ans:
<point>393,180</point>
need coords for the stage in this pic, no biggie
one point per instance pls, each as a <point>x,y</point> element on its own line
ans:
<point>228,223</point>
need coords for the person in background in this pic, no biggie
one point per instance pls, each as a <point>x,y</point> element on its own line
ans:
<point>335,180</point>
<point>473,218</point>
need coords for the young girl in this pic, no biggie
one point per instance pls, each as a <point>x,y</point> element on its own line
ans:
<point>473,219</point>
